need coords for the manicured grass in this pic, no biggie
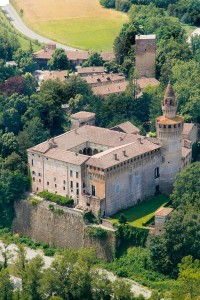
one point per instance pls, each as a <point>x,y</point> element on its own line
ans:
<point>83,24</point>
<point>143,212</point>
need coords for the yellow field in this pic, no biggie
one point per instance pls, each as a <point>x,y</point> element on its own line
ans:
<point>78,23</point>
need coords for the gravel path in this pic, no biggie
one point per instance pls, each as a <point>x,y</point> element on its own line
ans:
<point>136,288</point>
<point>195,32</point>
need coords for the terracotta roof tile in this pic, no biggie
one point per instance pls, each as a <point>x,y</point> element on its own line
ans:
<point>187,127</point>
<point>55,75</point>
<point>104,79</point>
<point>113,88</point>
<point>127,127</point>
<point>163,211</point>
<point>116,155</point>
<point>92,70</point>
<point>145,81</point>
<point>83,114</point>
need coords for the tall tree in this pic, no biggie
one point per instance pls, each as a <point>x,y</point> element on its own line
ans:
<point>59,60</point>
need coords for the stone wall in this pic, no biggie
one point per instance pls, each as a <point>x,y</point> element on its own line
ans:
<point>67,230</point>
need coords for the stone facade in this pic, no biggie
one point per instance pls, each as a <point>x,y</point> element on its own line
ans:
<point>82,118</point>
<point>145,58</point>
<point>107,170</point>
<point>169,129</point>
<point>66,231</point>
<point>161,216</point>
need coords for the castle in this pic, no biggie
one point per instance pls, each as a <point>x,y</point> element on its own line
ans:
<point>107,170</point>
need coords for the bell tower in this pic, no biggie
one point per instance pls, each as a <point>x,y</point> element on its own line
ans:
<point>169,129</point>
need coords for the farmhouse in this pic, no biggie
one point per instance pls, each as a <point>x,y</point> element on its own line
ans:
<point>76,57</point>
<point>110,169</point>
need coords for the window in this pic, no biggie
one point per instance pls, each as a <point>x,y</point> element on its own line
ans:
<point>156,173</point>
<point>32,163</point>
<point>77,184</point>
<point>64,182</point>
<point>169,126</point>
<point>39,180</point>
<point>71,173</point>
<point>77,191</point>
<point>55,185</point>
<point>71,184</point>
<point>63,188</point>
<point>83,184</point>
<point>33,178</point>
<point>47,182</point>
<point>76,174</point>
<point>54,178</point>
<point>39,174</point>
<point>33,172</point>
<point>93,191</point>
<point>157,188</point>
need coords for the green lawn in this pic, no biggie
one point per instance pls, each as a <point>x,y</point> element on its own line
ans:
<point>80,34</point>
<point>143,212</point>
<point>82,24</point>
<point>24,41</point>
<point>188,28</point>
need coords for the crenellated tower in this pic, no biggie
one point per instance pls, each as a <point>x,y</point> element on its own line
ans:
<point>169,129</point>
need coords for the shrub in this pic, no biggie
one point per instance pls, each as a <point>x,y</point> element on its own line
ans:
<point>63,201</point>
<point>49,251</point>
<point>108,3</point>
<point>130,236</point>
<point>59,211</point>
<point>51,207</point>
<point>88,216</point>
<point>35,201</point>
<point>97,232</point>
<point>122,219</point>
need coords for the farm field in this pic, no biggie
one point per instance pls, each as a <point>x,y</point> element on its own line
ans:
<point>83,24</point>
<point>143,212</point>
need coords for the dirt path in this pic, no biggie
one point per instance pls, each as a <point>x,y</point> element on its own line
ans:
<point>136,288</point>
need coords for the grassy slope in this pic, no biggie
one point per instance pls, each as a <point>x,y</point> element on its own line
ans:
<point>82,23</point>
<point>24,41</point>
<point>141,213</point>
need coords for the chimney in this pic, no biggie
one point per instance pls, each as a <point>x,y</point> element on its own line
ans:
<point>124,152</point>
<point>115,156</point>
<point>140,140</point>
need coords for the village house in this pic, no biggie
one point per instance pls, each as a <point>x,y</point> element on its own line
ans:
<point>107,170</point>
<point>75,57</point>
<point>89,71</point>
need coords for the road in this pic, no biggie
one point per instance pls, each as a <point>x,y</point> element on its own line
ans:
<point>17,22</point>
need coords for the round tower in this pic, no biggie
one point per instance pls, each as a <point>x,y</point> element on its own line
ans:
<point>169,129</point>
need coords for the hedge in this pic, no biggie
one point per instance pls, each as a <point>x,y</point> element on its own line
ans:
<point>63,201</point>
<point>128,236</point>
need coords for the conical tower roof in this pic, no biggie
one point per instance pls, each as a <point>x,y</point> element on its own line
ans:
<point>169,93</point>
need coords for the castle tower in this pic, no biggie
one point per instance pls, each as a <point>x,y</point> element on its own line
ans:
<point>169,129</point>
<point>82,118</point>
<point>145,56</point>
